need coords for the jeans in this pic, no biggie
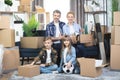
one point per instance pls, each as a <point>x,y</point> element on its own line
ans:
<point>48,69</point>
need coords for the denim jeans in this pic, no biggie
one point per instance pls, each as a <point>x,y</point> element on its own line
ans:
<point>48,69</point>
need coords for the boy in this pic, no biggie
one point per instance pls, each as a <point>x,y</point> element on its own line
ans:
<point>47,57</point>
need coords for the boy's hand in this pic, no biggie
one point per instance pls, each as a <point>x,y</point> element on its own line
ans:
<point>32,63</point>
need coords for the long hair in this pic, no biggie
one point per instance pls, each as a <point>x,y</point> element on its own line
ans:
<point>66,38</point>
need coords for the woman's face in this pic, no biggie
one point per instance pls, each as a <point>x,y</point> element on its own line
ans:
<point>66,43</point>
<point>70,18</point>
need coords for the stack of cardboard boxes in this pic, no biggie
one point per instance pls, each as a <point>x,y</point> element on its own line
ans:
<point>25,6</point>
<point>7,39</point>
<point>115,42</point>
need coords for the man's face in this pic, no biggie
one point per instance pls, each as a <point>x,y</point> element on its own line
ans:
<point>48,44</point>
<point>56,17</point>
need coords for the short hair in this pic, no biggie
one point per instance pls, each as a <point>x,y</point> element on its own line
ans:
<point>70,13</point>
<point>47,38</point>
<point>57,11</point>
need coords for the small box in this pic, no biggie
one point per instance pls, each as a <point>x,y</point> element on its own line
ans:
<point>115,57</point>
<point>25,8</point>
<point>116,18</point>
<point>7,37</point>
<point>28,70</point>
<point>86,38</point>
<point>4,22</point>
<point>26,2</point>
<point>89,67</point>
<point>32,42</point>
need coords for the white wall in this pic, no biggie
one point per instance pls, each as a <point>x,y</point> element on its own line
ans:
<point>63,6</point>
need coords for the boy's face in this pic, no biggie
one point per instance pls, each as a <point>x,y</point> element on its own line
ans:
<point>48,44</point>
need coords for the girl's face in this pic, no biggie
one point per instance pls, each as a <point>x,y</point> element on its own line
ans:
<point>70,18</point>
<point>66,43</point>
<point>48,44</point>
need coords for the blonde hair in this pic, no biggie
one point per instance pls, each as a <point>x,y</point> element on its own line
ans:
<point>70,13</point>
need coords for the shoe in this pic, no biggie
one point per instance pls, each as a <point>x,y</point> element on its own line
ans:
<point>55,72</point>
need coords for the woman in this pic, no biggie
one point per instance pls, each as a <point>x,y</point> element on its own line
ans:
<point>68,56</point>
<point>71,28</point>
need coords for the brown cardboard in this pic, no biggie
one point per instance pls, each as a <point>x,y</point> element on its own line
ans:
<point>32,42</point>
<point>28,70</point>
<point>115,57</point>
<point>25,8</point>
<point>7,37</point>
<point>11,58</point>
<point>4,22</point>
<point>86,38</point>
<point>87,67</point>
<point>116,18</point>
<point>115,39</point>
<point>26,2</point>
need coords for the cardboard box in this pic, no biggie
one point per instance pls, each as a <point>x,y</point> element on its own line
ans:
<point>116,18</point>
<point>26,2</point>
<point>115,39</point>
<point>32,42</point>
<point>7,37</point>
<point>28,70</point>
<point>11,59</point>
<point>74,39</point>
<point>115,57</point>
<point>88,67</point>
<point>25,8</point>
<point>86,38</point>
<point>4,22</point>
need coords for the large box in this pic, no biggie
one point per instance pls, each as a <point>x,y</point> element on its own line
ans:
<point>28,70</point>
<point>4,22</point>
<point>115,39</point>
<point>32,42</point>
<point>115,57</point>
<point>88,67</point>
<point>7,37</point>
<point>86,38</point>
<point>11,59</point>
<point>116,18</point>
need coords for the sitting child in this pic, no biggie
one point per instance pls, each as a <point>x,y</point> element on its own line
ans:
<point>47,57</point>
<point>68,62</point>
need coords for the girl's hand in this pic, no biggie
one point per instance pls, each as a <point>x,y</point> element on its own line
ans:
<point>68,64</point>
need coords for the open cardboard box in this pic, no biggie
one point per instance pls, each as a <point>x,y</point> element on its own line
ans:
<point>90,67</point>
<point>28,70</point>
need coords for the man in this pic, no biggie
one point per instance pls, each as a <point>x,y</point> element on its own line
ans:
<point>55,30</point>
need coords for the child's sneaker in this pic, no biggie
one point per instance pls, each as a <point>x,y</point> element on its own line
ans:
<point>55,72</point>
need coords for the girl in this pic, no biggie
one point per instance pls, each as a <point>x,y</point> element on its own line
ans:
<point>68,55</point>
